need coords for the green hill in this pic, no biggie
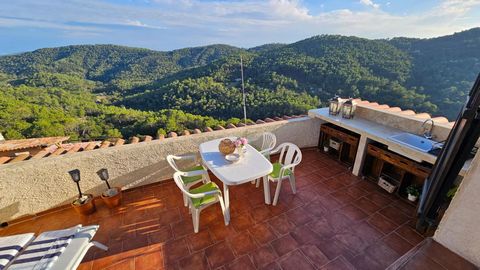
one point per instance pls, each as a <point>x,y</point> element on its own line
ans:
<point>123,91</point>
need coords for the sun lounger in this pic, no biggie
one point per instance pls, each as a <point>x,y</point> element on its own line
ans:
<point>11,246</point>
<point>61,249</point>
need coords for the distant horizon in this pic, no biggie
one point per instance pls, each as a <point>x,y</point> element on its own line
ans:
<point>226,44</point>
<point>165,25</point>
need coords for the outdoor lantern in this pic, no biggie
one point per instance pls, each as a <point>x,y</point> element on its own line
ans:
<point>348,109</point>
<point>334,106</point>
<point>103,174</point>
<point>75,174</point>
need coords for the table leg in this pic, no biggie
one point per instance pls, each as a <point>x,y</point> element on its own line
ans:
<point>226,198</point>
<point>266,189</point>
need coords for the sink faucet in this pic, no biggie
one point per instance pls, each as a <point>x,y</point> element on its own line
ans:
<point>428,131</point>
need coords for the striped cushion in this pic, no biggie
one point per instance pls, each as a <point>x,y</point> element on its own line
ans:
<point>45,249</point>
<point>10,246</point>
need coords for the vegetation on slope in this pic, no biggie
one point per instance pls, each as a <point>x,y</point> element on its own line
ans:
<point>98,91</point>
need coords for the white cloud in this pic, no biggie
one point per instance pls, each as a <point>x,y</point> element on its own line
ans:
<point>138,23</point>
<point>237,22</point>
<point>369,3</point>
<point>288,8</point>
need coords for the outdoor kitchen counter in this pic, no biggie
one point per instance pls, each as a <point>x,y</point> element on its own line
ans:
<point>369,130</point>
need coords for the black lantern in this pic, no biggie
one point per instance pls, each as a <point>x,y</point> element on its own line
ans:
<point>103,174</point>
<point>334,106</point>
<point>75,174</point>
<point>348,109</point>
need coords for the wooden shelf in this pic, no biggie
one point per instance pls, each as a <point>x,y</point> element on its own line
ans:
<point>402,170</point>
<point>347,139</point>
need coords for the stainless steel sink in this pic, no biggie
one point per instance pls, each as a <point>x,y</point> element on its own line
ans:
<point>416,142</point>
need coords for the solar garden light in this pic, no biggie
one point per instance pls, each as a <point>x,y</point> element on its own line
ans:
<point>103,174</point>
<point>84,203</point>
<point>75,174</point>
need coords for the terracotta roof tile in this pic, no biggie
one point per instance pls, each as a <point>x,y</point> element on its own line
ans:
<point>20,157</point>
<point>269,120</point>
<point>4,159</point>
<point>422,115</point>
<point>122,141</point>
<point>10,145</point>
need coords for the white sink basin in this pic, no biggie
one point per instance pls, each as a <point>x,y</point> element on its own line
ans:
<point>414,141</point>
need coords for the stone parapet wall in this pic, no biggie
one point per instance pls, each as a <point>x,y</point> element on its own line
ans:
<point>36,185</point>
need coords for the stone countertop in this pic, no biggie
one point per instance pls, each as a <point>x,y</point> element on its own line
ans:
<point>379,133</point>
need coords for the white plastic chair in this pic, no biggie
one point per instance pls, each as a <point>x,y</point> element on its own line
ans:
<point>199,198</point>
<point>269,140</point>
<point>189,181</point>
<point>290,156</point>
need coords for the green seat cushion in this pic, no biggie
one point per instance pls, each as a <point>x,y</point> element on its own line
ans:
<point>197,202</point>
<point>276,170</point>
<point>191,179</point>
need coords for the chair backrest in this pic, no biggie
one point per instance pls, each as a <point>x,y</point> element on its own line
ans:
<point>171,161</point>
<point>289,154</point>
<point>269,140</point>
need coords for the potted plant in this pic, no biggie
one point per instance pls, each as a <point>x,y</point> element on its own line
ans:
<point>413,193</point>
<point>112,196</point>
<point>84,204</point>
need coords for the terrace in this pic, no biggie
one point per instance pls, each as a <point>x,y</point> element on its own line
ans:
<point>338,219</point>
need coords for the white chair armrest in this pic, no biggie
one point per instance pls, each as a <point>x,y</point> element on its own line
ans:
<point>200,195</point>
<point>276,150</point>
<point>266,151</point>
<point>194,173</point>
<point>191,157</point>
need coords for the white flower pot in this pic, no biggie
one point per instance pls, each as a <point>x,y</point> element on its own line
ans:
<point>412,198</point>
<point>325,149</point>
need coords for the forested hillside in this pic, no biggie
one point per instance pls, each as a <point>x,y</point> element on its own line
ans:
<point>101,91</point>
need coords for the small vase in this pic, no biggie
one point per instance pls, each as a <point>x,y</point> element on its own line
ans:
<point>241,151</point>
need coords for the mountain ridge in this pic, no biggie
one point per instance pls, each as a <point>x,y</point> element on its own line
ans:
<point>154,89</point>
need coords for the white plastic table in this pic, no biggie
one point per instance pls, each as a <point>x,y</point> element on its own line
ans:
<point>251,166</point>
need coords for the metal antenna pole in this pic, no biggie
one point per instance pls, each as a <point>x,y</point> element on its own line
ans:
<point>243,93</point>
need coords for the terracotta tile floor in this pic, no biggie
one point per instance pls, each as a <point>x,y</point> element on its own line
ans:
<point>335,221</point>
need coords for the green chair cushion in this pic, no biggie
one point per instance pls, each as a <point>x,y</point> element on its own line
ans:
<point>191,179</point>
<point>197,202</point>
<point>276,171</point>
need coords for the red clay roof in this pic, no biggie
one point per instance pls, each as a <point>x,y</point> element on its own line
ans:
<point>10,145</point>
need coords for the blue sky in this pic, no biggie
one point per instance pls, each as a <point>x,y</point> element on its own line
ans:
<point>27,25</point>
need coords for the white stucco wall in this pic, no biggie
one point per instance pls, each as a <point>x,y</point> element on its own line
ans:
<point>459,229</point>
<point>32,186</point>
